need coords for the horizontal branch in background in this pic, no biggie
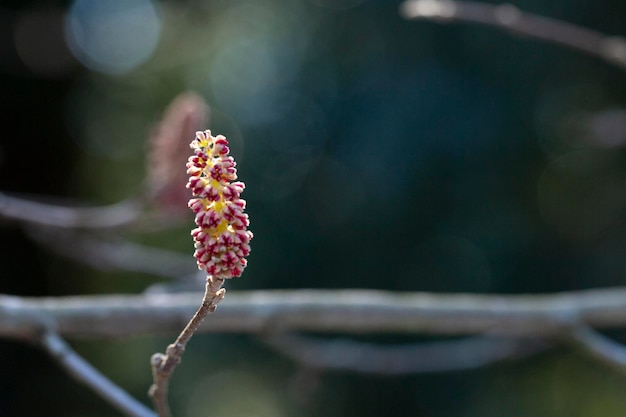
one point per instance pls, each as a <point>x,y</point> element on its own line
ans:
<point>336,311</point>
<point>345,354</point>
<point>114,253</point>
<point>31,211</point>
<point>612,49</point>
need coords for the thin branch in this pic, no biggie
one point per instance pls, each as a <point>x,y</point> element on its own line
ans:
<point>110,254</point>
<point>338,311</point>
<point>163,365</point>
<point>600,347</point>
<point>612,49</point>
<point>426,357</point>
<point>35,212</point>
<point>83,372</point>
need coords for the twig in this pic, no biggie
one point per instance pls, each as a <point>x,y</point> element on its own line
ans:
<point>110,254</point>
<point>34,212</point>
<point>83,372</point>
<point>600,347</point>
<point>163,365</point>
<point>612,49</point>
<point>338,311</point>
<point>426,357</point>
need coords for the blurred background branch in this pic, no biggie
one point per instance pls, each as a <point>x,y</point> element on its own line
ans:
<point>339,311</point>
<point>599,346</point>
<point>405,359</point>
<point>85,373</point>
<point>111,253</point>
<point>508,17</point>
<point>70,215</point>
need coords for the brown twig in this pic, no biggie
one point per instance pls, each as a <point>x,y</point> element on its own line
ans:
<point>612,49</point>
<point>163,365</point>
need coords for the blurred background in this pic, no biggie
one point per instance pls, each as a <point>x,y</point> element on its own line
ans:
<point>377,153</point>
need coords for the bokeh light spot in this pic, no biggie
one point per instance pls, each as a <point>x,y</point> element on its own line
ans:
<point>112,36</point>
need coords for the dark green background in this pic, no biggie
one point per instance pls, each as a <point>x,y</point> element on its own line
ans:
<point>377,153</point>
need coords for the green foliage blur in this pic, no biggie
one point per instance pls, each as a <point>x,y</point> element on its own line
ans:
<point>377,153</point>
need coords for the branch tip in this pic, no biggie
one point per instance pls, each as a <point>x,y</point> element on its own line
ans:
<point>416,9</point>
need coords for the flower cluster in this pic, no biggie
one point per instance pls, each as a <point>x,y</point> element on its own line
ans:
<point>222,240</point>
